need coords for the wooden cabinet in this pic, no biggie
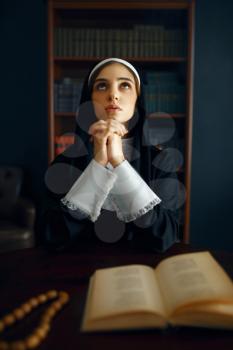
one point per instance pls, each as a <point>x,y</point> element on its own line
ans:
<point>156,36</point>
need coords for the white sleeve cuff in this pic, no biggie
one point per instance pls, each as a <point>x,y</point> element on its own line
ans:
<point>90,190</point>
<point>131,195</point>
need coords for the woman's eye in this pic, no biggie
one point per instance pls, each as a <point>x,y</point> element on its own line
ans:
<point>126,85</point>
<point>100,86</point>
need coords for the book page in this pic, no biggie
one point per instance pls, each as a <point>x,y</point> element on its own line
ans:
<point>124,289</point>
<point>192,278</point>
<point>215,315</point>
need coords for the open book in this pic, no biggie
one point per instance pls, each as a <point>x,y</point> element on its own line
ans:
<point>183,290</point>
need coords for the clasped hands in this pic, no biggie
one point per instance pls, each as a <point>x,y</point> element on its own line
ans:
<point>106,136</point>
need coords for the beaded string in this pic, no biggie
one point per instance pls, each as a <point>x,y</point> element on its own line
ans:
<point>41,331</point>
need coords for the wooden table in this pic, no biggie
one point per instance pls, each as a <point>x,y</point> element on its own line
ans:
<point>29,272</point>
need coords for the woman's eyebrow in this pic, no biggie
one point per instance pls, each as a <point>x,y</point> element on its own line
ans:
<point>120,78</point>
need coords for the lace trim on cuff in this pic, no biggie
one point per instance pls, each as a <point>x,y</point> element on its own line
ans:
<point>82,214</point>
<point>92,216</point>
<point>69,204</point>
<point>134,216</point>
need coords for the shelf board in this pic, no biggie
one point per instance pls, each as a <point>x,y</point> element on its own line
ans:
<point>152,116</point>
<point>122,4</point>
<point>166,115</point>
<point>65,114</point>
<point>63,59</point>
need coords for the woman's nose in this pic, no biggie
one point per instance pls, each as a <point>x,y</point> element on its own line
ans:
<point>113,95</point>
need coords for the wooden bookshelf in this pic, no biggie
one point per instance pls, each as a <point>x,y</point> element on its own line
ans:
<point>131,59</point>
<point>174,19</point>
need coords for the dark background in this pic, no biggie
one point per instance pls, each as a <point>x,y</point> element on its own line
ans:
<point>24,128</point>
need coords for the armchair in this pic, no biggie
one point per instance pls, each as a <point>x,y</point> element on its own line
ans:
<point>17,214</point>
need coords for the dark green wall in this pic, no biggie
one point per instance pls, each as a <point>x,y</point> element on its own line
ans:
<point>212,161</point>
<point>23,93</point>
<point>23,138</point>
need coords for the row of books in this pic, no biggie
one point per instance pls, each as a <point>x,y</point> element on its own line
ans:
<point>67,92</point>
<point>165,102</point>
<point>163,93</point>
<point>62,142</point>
<point>139,41</point>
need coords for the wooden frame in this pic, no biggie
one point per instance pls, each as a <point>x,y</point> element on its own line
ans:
<point>54,5</point>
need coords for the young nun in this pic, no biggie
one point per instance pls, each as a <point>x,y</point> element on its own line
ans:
<point>110,186</point>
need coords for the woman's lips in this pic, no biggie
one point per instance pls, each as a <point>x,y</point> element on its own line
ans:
<point>113,108</point>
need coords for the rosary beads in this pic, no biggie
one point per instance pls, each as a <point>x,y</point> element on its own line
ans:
<point>41,331</point>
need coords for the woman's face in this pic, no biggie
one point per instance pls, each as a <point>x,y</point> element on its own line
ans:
<point>114,93</point>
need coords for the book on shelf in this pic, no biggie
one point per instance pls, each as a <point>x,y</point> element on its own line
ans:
<point>164,92</point>
<point>136,40</point>
<point>67,93</point>
<point>62,142</point>
<point>189,289</point>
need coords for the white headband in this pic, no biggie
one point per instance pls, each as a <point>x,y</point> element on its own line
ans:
<point>119,60</point>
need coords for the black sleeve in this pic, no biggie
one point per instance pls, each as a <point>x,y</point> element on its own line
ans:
<point>60,229</point>
<point>158,229</point>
